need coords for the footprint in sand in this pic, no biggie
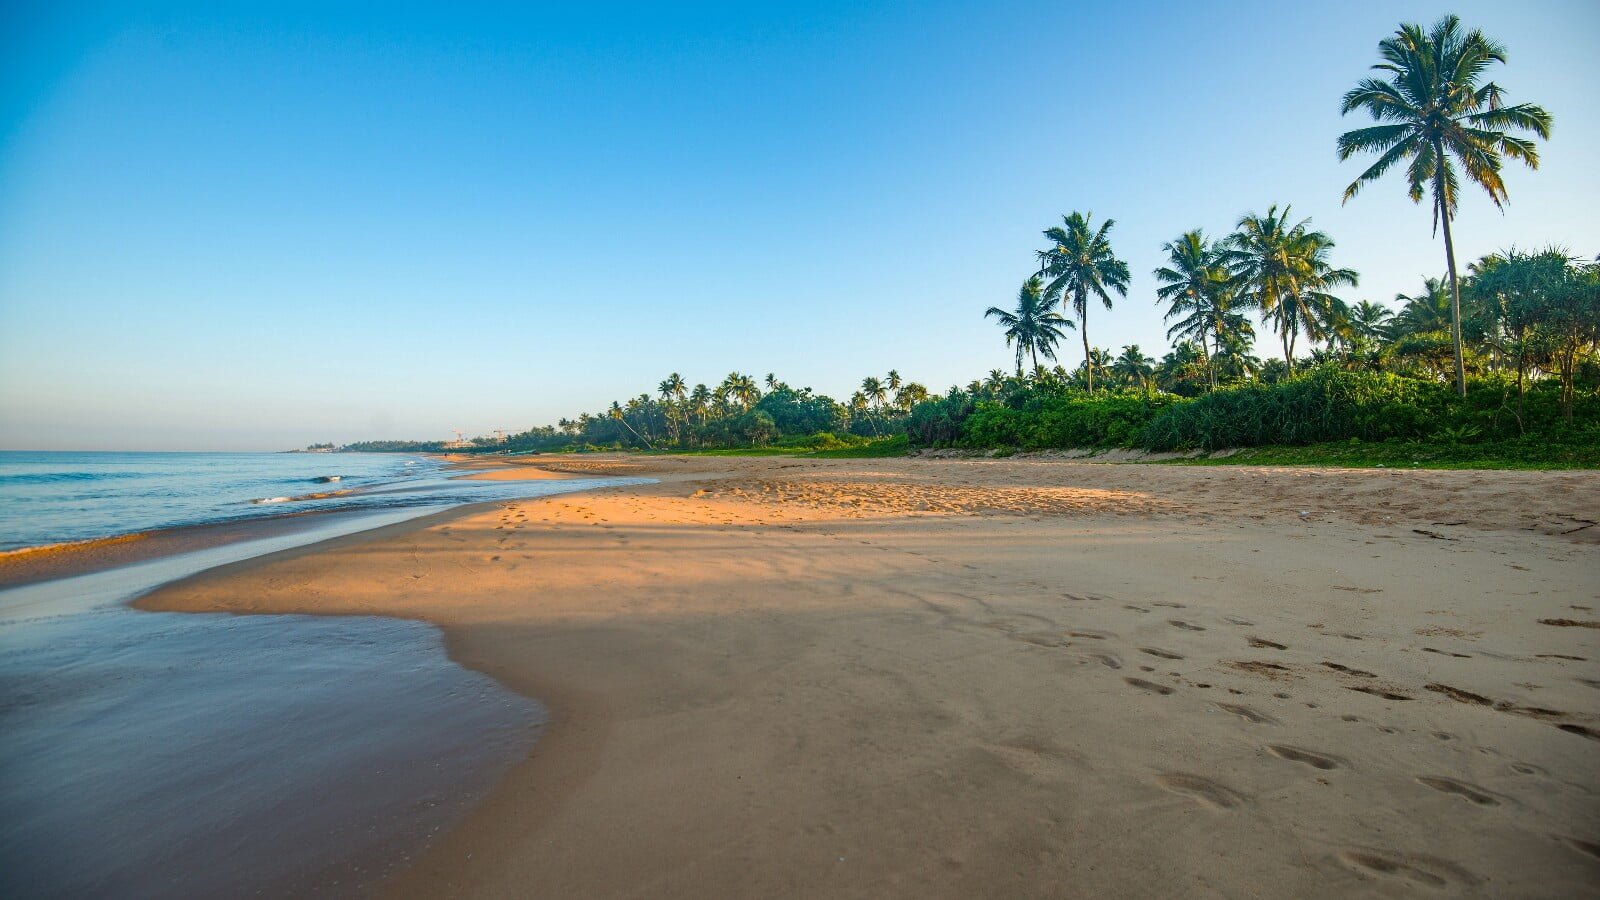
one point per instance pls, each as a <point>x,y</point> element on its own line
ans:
<point>1424,870</point>
<point>1380,692</point>
<point>1150,686</point>
<point>1458,694</point>
<point>1107,660</point>
<point>1246,713</point>
<point>1186,626</point>
<point>1164,654</point>
<point>1169,604</point>
<point>1470,792</point>
<point>1263,643</point>
<point>1313,759</point>
<point>1237,621</point>
<point>1139,609</point>
<point>1580,731</point>
<point>1204,790</point>
<point>1582,846</point>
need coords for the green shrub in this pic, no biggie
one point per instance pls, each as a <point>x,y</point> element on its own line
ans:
<point>1325,404</point>
<point>1056,419</point>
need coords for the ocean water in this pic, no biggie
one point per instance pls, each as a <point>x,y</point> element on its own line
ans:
<point>52,497</point>
<point>197,755</point>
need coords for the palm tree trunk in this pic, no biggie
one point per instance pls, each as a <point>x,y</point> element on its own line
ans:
<point>1211,367</point>
<point>1033,349</point>
<point>1450,261</point>
<point>1083,328</point>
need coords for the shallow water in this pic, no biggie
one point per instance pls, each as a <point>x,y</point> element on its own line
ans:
<point>176,754</point>
<point>163,754</point>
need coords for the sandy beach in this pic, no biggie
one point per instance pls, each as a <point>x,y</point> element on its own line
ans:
<point>934,677</point>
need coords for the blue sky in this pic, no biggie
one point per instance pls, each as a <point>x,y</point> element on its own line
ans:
<point>231,226</point>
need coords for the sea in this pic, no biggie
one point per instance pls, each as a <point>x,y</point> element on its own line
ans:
<point>56,497</point>
<point>150,754</point>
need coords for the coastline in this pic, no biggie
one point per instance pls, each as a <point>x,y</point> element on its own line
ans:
<point>361,764</point>
<point>49,562</point>
<point>799,624</point>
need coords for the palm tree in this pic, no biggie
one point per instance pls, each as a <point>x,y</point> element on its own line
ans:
<point>741,388</point>
<point>1369,321</point>
<point>875,391</point>
<point>1283,269</point>
<point>1033,328</point>
<point>1079,263</point>
<point>860,399</point>
<point>909,395</point>
<point>672,390</point>
<point>1099,358</point>
<point>1423,313</point>
<point>700,400</point>
<point>1180,368</point>
<point>1434,112</point>
<point>617,413</point>
<point>1195,284</point>
<point>1134,368</point>
<point>1233,359</point>
<point>893,382</point>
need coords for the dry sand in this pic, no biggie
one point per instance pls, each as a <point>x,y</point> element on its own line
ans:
<point>1009,678</point>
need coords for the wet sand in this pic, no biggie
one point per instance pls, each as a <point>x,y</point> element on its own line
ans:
<point>1002,677</point>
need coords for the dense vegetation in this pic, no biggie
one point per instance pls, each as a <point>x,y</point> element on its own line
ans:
<point>1501,358</point>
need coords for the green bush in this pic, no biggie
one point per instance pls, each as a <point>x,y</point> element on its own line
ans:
<point>1323,405</point>
<point>1053,419</point>
<point>938,422</point>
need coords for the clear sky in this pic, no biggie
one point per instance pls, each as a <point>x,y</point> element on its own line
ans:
<point>254,226</point>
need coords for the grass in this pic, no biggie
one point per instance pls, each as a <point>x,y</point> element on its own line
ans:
<point>1514,454</point>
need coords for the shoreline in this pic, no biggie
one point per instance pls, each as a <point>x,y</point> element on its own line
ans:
<point>604,637</point>
<point>49,562</point>
<point>155,669</point>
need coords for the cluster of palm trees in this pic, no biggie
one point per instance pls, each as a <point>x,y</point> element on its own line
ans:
<point>737,410</point>
<point>1435,113</point>
<point>1270,263</point>
<point>1521,312</point>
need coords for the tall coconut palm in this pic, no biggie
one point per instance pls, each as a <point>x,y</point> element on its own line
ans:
<point>1435,111</point>
<point>1282,268</point>
<point>1080,264</point>
<point>893,381</point>
<point>1133,367</point>
<point>1033,327</point>
<point>1196,286</point>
